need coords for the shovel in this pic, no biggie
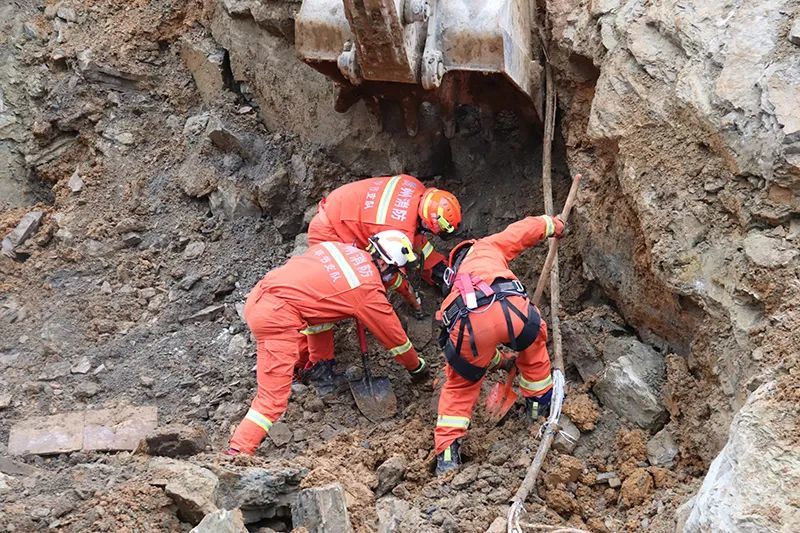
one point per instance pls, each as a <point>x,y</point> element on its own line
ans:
<point>501,398</point>
<point>374,396</point>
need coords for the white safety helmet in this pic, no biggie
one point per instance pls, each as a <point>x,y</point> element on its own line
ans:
<point>393,246</point>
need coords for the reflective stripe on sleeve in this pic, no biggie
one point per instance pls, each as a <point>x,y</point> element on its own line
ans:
<point>403,348</point>
<point>258,419</point>
<point>447,421</point>
<point>427,250</point>
<point>551,226</point>
<point>319,328</point>
<point>386,200</point>
<point>535,386</point>
<point>344,266</point>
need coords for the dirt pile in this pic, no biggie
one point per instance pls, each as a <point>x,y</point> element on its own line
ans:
<point>177,151</point>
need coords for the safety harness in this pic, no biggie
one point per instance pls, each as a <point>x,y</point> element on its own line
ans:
<point>476,296</point>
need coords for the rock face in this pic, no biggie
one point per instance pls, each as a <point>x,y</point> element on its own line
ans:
<point>322,510</point>
<point>751,485</point>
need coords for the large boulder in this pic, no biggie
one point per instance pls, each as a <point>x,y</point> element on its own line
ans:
<point>752,484</point>
<point>192,487</point>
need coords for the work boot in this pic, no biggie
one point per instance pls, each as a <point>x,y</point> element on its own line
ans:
<point>536,406</point>
<point>421,373</point>
<point>324,378</point>
<point>449,459</point>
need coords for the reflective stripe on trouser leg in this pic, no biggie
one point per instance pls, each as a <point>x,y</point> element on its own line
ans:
<point>456,403</point>
<point>319,342</point>
<point>534,366</point>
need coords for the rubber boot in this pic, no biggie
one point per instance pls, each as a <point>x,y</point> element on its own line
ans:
<point>449,459</point>
<point>536,406</point>
<point>325,379</point>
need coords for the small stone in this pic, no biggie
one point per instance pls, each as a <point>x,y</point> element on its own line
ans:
<point>99,369</point>
<point>53,371</point>
<point>221,521</point>
<point>81,367</point>
<point>175,440</point>
<point>5,400</point>
<point>280,434</point>
<point>636,488</point>
<point>768,251</point>
<point>794,33</point>
<point>131,239</point>
<point>75,182</point>
<point>244,110</point>
<point>208,313</point>
<point>67,13</point>
<point>146,381</point>
<point>105,288</point>
<point>86,389</point>
<point>299,388</point>
<point>465,478</point>
<point>26,227</point>
<point>567,437</point>
<point>223,138</point>
<point>195,125</point>
<point>661,449</point>
<point>390,473</point>
<point>194,250</point>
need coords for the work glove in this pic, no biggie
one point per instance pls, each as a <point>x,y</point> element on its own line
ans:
<point>560,227</point>
<point>536,406</point>
<point>503,360</point>
<point>421,373</point>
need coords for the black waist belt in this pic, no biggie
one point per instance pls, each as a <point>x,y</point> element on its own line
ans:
<point>457,314</point>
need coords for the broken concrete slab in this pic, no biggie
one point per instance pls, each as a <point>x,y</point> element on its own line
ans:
<point>221,521</point>
<point>322,510</point>
<point>47,435</point>
<point>26,227</point>
<point>175,440</point>
<point>103,429</point>
<point>118,429</point>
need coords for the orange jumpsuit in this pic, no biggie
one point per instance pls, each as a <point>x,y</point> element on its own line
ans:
<point>328,283</point>
<point>356,211</point>
<point>488,260</point>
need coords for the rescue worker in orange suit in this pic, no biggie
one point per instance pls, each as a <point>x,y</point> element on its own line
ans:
<point>329,282</point>
<point>352,213</point>
<point>487,306</point>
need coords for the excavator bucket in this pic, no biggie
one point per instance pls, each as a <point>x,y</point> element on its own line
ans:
<point>448,52</point>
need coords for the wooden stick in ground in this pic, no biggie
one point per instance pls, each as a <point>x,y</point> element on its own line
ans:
<point>551,266</point>
<point>552,251</point>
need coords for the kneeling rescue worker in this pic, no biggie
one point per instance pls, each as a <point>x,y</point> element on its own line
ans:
<point>329,282</point>
<point>487,306</point>
<point>357,210</point>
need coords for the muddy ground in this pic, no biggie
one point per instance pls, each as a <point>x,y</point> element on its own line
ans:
<point>142,273</point>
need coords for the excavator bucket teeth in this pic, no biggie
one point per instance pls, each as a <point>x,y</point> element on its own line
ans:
<point>451,52</point>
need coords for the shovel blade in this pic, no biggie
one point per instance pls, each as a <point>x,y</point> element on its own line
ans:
<point>500,399</point>
<point>374,398</point>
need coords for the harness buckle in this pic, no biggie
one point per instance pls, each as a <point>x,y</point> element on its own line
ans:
<point>519,286</point>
